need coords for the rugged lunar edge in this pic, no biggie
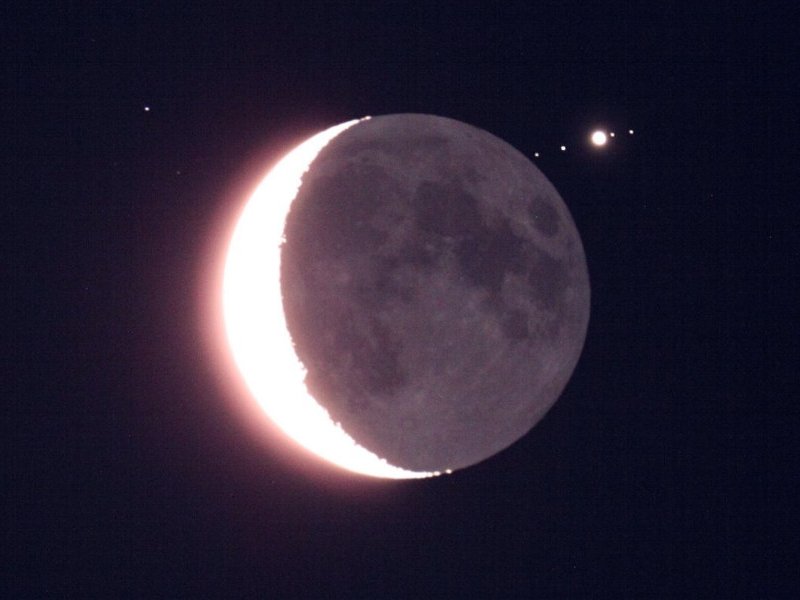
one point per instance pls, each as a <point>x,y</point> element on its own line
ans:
<point>435,287</point>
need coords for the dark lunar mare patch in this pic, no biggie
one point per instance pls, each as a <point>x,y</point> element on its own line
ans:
<point>547,278</point>
<point>349,353</point>
<point>446,210</point>
<point>371,353</point>
<point>356,358</point>
<point>337,229</point>
<point>514,324</point>
<point>484,253</point>
<point>487,254</point>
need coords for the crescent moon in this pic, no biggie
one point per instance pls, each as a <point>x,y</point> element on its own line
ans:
<point>255,323</point>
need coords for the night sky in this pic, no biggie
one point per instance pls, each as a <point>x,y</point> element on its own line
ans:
<point>132,138</point>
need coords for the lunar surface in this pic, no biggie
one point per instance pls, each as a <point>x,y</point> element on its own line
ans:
<point>435,289</point>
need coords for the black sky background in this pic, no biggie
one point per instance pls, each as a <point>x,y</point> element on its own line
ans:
<point>666,469</point>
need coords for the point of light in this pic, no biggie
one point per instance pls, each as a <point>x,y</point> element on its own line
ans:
<point>146,109</point>
<point>599,138</point>
<point>563,148</point>
<point>256,326</point>
<point>536,154</point>
<point>612,134</point>
<point>630,131</point>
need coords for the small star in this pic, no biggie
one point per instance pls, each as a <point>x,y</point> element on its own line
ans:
<point>612,134</point>
<point>536,154</point>
<point>563,148</point>
<point>146,109</point>
<point>630,131</point>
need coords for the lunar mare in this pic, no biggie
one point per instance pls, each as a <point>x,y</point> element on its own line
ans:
<point>256,328</point>
<point>435,287</point>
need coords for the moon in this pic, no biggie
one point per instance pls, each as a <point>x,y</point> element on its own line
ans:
<point>405,295</point>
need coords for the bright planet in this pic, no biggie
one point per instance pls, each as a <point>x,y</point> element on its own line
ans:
<point>599,138</point>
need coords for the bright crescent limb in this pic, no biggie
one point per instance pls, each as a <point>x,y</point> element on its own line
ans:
<point>256,325</point>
